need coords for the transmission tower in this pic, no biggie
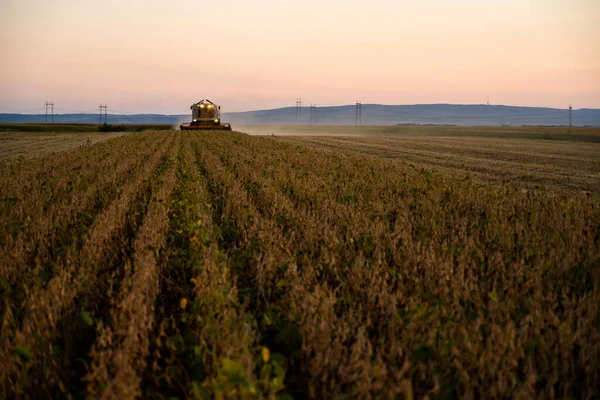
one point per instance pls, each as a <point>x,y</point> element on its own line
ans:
<point>313,111</point>
<point>570,115</point>
<point>50,106</point>
<point>359,113</point>
<point>103,108</point>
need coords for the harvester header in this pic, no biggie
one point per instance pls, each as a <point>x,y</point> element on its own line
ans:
<point>206,115</point>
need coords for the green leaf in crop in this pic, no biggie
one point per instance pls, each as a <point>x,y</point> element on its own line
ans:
<point>87,318</point>
<point>197,372</point>
<point>23,352</point>
<point>176,341</point>
<point>277,357</point>
<point>191,338</point>
<point>530,345</point>
<point>200,392</point>
<point>422,353</point>
<point>197,305</point>
<point>281,283</point>
<point>284,268</point>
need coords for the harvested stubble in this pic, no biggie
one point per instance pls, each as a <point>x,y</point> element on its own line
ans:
<point>225,265</point>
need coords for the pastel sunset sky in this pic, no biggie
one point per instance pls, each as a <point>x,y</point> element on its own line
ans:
<point>159,56</point>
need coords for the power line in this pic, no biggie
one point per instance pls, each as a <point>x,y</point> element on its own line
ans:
<point>434,114</point>
<point>124,112</point>
<point>76,111</point>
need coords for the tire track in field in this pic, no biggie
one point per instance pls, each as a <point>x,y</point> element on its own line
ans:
<point>119,354</point>
<point>48,305</point>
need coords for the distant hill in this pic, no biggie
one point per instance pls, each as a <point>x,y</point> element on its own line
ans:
<point>422,114</point>
<point>372,114</point>
<point>151,119</point>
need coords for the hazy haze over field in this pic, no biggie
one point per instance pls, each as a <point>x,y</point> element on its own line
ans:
<point>157,57</point>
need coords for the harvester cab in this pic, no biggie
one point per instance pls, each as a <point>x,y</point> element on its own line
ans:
<point>205,115</point>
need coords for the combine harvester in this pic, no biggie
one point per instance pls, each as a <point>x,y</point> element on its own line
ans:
<point>206,115</point>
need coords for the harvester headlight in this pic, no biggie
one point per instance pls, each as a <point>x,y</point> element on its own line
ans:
<point>195,120</point>
<point>216,120</point>
<point>201,105</point>
<point>210,106</point>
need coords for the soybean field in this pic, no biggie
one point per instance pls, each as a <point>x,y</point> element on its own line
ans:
<point>164,264</point>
